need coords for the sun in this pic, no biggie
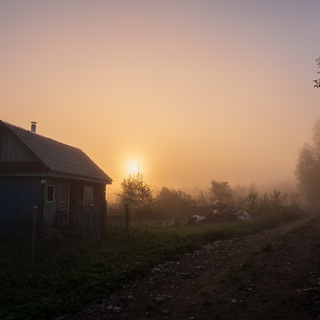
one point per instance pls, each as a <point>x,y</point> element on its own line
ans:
<point>132,166</point>
<point>133,169</point>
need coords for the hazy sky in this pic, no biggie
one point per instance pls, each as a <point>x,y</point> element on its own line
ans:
<point>188,90</point>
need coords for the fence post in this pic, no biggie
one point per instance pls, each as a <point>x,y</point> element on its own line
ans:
<point>105,218</point>
<point>91,223</point>
<point>78,216</point>
<point>126,211</point>
<point>34,231</point>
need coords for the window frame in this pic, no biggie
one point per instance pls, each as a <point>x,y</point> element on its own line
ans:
<point>50,191</point>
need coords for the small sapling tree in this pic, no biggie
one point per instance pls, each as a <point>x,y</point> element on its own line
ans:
<point>252,200</point>
<point>135,192</point>
<point>277,198</point>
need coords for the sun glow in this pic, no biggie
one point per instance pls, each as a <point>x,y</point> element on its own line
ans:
<point>132,167</point>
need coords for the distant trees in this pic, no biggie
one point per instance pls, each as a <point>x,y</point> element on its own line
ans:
<point>308,167</point>
<point>249,199</point>
<point>202,197</point>
<point>317,81</point>
<point>220,191</point>
<point>172,202</point>
<point>256,203</point>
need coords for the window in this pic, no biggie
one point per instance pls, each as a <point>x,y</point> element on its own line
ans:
<point>87,196</point>
<point>50,193</point>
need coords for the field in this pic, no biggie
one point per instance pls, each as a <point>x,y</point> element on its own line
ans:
<point>67,275</point>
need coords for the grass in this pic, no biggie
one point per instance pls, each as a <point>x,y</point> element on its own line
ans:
<point>68,275</point>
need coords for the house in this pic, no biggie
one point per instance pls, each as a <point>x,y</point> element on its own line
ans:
<point>59,182</point>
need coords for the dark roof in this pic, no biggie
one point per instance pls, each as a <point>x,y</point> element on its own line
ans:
<point>58,157</point>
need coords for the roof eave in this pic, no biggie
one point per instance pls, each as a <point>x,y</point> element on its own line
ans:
<point>62,175</point>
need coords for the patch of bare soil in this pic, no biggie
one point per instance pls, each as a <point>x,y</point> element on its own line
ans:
<point>270,275</point>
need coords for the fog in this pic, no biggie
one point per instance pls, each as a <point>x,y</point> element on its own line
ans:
<point>188,91</point>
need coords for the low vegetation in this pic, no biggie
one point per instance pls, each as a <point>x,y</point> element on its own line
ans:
<point>67,275</point>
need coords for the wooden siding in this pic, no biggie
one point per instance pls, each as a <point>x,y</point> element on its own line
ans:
<point>80,217</point>
<point>13,150</point>
<point>15,168</point>
<point>18,196</point>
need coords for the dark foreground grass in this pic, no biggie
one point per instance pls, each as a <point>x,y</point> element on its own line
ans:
<point>68,275</point>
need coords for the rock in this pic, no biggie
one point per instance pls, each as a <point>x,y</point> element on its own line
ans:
<point>130,298</point>
<point>116,309</point>
<point>159,298</point>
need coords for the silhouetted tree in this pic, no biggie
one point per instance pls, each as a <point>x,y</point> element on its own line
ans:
<point>252,200</point>
<point>317,81</point>
<point>308,167</point>
<point>277,198</point>
<point>135,192</point>
<point>220,191</point>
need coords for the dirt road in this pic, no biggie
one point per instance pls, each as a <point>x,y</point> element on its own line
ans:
<point>271,275</point>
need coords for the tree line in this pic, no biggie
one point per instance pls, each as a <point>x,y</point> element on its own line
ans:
<point>138,195</point>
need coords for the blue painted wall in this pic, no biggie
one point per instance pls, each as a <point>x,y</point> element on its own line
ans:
<point>18,196</point>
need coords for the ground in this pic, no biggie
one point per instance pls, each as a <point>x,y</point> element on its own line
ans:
<point>270,275</point>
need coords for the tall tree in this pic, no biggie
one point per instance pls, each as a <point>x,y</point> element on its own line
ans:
<point>308,167</point>
<point>135,192</point>
<point>317,81</point>
<point>220,191</point>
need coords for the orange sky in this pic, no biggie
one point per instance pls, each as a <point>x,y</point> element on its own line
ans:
<point>189,91</point>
